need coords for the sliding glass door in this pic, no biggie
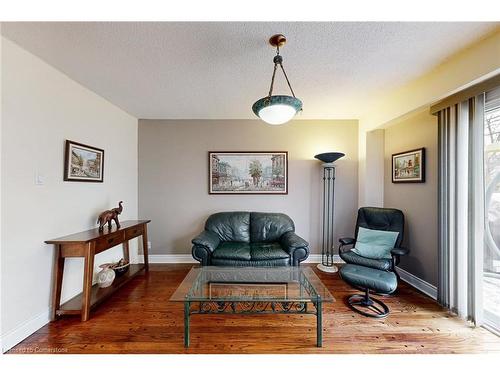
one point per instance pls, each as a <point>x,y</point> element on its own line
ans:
<point>491,256</point>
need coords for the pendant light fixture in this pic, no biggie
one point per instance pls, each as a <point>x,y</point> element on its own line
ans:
<point>277,109</point>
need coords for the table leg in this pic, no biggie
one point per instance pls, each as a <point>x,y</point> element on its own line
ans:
<point>58,278</point>
<point>88,273</point>
<point>319,323</point>
<point>145,246</point>
<point>186,324</point>
<point>126,253</point>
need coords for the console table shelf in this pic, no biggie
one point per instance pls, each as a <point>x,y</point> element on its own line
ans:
<point>86,245</point>
<point>97,295</point>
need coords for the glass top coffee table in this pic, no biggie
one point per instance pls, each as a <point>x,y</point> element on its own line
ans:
<point>252,290</point>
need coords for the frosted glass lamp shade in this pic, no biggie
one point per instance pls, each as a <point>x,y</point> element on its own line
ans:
<point>277,109</point>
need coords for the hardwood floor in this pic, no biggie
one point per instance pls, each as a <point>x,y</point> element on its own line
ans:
<point>140,319</point>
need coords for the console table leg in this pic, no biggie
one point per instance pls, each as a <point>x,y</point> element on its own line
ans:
<point>58,278</point>
<point>145,246</point>
<point>88,274</point>
<point>319,323</point>
<point>186,324</point>
<point>126,252</point>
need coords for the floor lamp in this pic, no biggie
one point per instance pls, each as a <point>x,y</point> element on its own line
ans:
<point>328,246</point>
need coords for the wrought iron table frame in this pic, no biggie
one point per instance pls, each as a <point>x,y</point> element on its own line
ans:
<point>240,305</point>
<point>254,307</point>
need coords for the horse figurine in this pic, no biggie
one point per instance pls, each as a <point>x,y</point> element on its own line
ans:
<point>108,215</point>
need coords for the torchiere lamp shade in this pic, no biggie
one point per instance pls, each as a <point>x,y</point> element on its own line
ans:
<point>329,157</point>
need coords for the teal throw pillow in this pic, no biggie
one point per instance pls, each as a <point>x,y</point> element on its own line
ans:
<point>375,244</point>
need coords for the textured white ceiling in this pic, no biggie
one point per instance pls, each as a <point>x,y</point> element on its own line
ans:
<point>216,70</point>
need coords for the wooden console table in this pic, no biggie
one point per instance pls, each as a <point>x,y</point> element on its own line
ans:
<point>87,244</point>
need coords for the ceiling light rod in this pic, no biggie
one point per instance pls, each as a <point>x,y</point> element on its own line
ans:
<point>277,109</point>
<point>277,41</point>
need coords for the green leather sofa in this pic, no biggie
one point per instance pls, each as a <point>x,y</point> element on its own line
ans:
<point>249,239</point>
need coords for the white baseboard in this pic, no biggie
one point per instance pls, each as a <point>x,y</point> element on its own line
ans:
<point>316,258</point>
<point>169,258</point>
<point>14,337</point>
<point>418,283</point>
<point>188,258</point>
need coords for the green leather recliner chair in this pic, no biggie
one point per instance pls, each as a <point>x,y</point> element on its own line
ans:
<point>368,274</point>
<point>249,239</point>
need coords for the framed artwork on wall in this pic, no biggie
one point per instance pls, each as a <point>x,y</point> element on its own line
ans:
<point>245,172</point>
<point>83,163</point>
<point>409,166</point>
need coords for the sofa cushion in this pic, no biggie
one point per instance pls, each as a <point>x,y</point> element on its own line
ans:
<point>230,226</point>
<point>267,251</point>
<point>353,258</point>
<point>269,227</point>
<point>233,251</point>
<point>251,263</point>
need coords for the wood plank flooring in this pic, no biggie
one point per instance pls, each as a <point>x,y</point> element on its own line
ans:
<point>140,319</point>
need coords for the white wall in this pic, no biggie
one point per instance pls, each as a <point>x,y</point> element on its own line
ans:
<point>173,175</point>
<point>41,108</point>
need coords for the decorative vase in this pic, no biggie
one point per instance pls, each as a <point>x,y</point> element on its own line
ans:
<point>106,276</point>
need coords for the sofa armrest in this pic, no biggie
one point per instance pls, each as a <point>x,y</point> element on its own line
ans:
<point>201,254</point>
<point>399,251</point>
<point>290,241</point>
<point>207,240</point>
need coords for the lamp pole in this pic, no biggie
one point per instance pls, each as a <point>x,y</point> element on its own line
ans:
<point>327,246</point>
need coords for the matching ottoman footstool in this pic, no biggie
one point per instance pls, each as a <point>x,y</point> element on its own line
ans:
<point>369,279</point>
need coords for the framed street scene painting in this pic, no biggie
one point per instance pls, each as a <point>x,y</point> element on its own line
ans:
<point>237,172</point>
<point>83,163</point>
<point>409,166</point>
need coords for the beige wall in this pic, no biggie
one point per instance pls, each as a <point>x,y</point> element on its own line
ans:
<point>375,175</point>
<point>467,67</point>
<point>41,107</point>
<point>173,175</point>
<point>418,201</point>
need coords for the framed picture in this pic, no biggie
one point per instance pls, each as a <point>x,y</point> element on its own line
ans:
<point>409,166</point>
<point>83,163</point>
<point>260,172</point>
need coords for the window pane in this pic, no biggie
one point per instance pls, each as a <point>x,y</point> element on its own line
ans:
<point>491,285</point>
